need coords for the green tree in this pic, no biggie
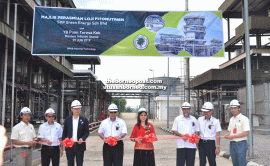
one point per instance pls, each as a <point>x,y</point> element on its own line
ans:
<point>129,109</point>
<point>121,103</point>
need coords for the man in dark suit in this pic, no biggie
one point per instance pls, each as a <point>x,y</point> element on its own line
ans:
<point>76,127</point>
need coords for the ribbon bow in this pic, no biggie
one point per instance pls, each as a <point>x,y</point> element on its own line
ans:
<point>151,138</point>
<point>111,141</point>
<point>68,143</point>
<point>192,138</point>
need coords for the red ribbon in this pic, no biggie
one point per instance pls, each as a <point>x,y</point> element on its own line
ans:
<point>151,138</point>
<point>192,138</point>
<point>140,138</point>
<point>68,143</point>
<point>111,141</point>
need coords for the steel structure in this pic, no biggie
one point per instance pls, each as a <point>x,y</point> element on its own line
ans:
<point>233,71</point>
<point>87,89</point>
<point>249,67</point>
<point>39,79</point>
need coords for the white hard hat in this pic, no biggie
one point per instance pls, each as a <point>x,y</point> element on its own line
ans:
<point>207,107</point>
<point>25,110</point>
<point>142,110</point>
<point>76,104</point>
<point>186,105</point>
<point>50,111</point>
<point>234,103</point>
<point>112,108</point>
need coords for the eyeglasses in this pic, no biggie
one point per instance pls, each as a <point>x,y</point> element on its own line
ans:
<point>113,112</point>
<point>50,116</point>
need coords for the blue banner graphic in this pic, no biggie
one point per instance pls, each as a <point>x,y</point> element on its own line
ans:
<point>82,32</point>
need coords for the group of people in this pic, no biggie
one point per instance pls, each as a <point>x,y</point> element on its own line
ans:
<point>207,127</point>
<point>115,127</point>
<point>50,135</point>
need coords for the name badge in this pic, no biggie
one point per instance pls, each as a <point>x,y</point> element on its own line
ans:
<point>23,154</point>
<point>234,130</point>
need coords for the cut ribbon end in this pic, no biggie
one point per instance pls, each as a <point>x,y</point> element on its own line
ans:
<point>151,138</point>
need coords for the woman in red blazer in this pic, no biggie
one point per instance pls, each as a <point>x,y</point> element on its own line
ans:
<point>144,151</point>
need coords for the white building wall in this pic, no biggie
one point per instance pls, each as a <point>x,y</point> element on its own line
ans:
<point>261,103</point>
<point>175,104</point>
<point>162,106</point>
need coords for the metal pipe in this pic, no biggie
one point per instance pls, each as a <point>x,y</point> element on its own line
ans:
<point>187,83</point>
<point>186,4</point>
<point>248,80</point>
<point>100,104</point>
<point>168,95</point>
<point>187,80</point>
<point>153,114</point>
<point>211,96</point>
<point>105,108</point>
<point>95,112</point>
<point>229,30</point>
<point>198,103</point>
<point>149,105</point>
<point>229,36</point>
<point>39,106</point>
<point>213,91</point>
<point>5,70</point>
<point>63,95</point>
<point>8,11</point>
<point>13,73</point>
<point>5,84</point>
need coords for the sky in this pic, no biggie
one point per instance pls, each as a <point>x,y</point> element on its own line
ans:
<point>134,68</point>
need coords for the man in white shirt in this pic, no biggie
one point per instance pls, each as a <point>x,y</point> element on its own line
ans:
<point>49,132</point>
<point>210,129</point>
<point>76,127</point>
<point>115,127</point>
<point>185,124</point>
<point>238,132</point>
<point>23,137</point>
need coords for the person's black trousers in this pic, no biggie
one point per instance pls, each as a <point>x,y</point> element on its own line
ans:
<point>144,158</point>
<point>49,153</point>
<point>207,149</point>
<point>185,155</point>
<point>73,152</point>
<point>113,155</point>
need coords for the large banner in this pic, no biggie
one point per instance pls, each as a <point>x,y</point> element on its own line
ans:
<point>83,32</point>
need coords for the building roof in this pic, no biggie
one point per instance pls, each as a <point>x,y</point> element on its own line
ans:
<point>29,5</point>
<point>243,56</point>
<point>233,8</point>
<point>84,73</point>
<point>213,78</point>
<point>84,59</point>
<point>257,25</point>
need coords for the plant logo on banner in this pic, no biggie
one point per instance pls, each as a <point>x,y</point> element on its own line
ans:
<point>141,42</point>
